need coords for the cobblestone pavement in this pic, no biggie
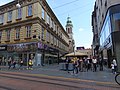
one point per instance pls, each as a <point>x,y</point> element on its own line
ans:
<point>53,70</point>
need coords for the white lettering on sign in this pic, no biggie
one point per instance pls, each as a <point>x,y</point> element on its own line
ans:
<point>2,47</point>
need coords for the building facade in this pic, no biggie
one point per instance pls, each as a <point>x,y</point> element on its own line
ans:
<point>106,30</point>
<point>87,51</point>
<point>31,31</point>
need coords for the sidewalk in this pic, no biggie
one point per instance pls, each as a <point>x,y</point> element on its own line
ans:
<point>53,70</point>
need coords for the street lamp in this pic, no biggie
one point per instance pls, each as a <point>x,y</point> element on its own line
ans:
<point>18,5</point>
<point>74,50</point>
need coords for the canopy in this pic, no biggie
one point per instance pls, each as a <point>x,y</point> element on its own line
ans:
<point>77,54</point>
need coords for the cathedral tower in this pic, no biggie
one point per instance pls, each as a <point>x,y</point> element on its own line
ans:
<point>69,27</point>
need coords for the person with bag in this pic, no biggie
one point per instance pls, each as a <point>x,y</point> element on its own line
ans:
<point>75,66</point>
<point>30,64</point>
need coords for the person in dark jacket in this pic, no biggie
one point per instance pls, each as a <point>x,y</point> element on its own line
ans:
<point>67,61</point>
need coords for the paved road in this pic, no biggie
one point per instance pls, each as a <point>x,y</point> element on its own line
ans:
<point>23,81</point>
<point>104,78</point>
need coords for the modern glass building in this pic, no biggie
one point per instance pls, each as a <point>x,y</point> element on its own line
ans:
<point>108,30</point>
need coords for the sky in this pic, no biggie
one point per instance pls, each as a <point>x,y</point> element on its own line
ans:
<point>80,12</point>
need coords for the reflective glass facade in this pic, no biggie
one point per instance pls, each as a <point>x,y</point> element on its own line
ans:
<point>105,32</point>
<point>110,36</point>
<point>111,24</point>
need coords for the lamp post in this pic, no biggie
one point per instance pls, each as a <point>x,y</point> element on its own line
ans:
<point>74,50</point>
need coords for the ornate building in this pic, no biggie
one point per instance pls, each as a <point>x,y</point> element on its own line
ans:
<point>31,31</point>
<point>69,28</point>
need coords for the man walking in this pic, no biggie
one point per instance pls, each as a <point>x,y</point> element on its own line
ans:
<point>94,61</point>
<point>67,64</point>
<point>115,65</point>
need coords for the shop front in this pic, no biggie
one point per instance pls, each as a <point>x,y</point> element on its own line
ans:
<point>37,51</point>
<point>16,52</point>
<point>50,54</point>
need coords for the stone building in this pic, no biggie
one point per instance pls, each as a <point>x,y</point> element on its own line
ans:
<point>87,51</point>
<point>31,31</point>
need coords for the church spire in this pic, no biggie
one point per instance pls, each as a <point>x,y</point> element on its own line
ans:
<point>69,22</point>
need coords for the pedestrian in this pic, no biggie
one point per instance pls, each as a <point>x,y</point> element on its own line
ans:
<point>21,64</point>
<point>67,61</point>
<point>112,67</point>
<point>101,64</point>
<point>0,62</point>
<point>90,63</point>
<point>30,64</point>
<point>94,61</point>
<point>75,66</point>
<point>86,62</point>
<point>14,64</point>
<point>81,64</point>
<point>115,65</point>
<point>9,62</point>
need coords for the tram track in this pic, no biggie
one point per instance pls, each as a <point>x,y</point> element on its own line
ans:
<point>40,79</point>
<point>67,82</point>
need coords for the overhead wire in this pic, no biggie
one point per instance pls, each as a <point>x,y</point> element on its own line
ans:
<point>74,9</point>
<point>65,4</point>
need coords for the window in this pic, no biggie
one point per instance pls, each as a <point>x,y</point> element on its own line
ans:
<point>53,26</point>
<point>116,21</point>
<point>1,18</point>
<point>30,10</point>
<point>48,19</point>
<point>43,13</point>
<point>47,36</point>
<point>42,33</point>
<point>17,33</point>
<point>101,2</point>
<point>10,16</point>
<point>51,22</point>
<point>52,38</point>
<point>69,30</point>
<point>0,35</point>
<point>106,3</point>
<point>28,31</point>
<point>19,13</point>
<point>8,34</point>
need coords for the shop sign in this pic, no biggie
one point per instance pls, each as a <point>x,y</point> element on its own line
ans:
<point>23,47</point>
<point>45,47</point>
<point>2,48</point>
<point>40,45</point>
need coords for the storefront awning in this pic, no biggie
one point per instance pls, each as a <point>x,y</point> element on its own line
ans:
<point>76,54</point>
